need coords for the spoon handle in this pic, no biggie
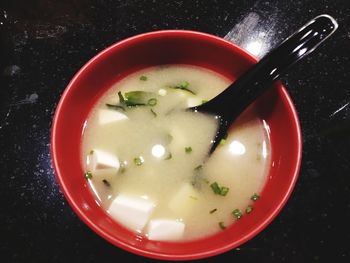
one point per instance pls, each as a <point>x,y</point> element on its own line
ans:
<point>260,77</point>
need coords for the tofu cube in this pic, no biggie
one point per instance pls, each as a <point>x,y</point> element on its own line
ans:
<point>98,160</point>
<point>193,101</point>
<point>165,230</point>
<point>132,212</point>
<point>106,116</point>
<point>184,200</point>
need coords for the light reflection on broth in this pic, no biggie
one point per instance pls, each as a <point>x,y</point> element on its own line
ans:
<point>149,166</point>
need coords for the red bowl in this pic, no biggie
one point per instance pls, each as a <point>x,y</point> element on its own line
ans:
<point>171,47</point>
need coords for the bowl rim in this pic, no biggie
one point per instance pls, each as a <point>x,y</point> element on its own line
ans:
<point>156,255</point>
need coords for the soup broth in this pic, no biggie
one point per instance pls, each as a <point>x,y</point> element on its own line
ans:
<point>146,158</point>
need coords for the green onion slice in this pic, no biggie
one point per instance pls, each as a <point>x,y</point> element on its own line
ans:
<point>223,190</point>
<point>154,113</point>
<point>138,160</point>
<point>216,188</point>
<point>221,225</point>
<point>237,213</point>
<point>249,209</point>
<point>198,168</point>
<point>152,102</point>
<point>183,86</point>
<point>255,197</point>
<point>88,175</point>
<point>169,156</point>
<point>188,149</point>
<point>106,183</point>
<point>121,98</point>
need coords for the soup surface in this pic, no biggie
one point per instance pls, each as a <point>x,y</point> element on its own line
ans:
<point>146,158</point>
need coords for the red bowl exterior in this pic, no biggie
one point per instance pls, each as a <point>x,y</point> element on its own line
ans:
<point>171,47</point>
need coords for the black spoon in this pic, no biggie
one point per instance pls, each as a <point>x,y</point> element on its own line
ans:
<point>229,104</point>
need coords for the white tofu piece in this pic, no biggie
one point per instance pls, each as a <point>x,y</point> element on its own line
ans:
<point>193,101</point>
<point>165,230</point>
<point>184,200</point>
<point>106,116</point>
<point>101,160</point>
<point>132,212</point>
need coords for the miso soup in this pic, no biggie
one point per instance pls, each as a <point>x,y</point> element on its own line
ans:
<point>147,163</point>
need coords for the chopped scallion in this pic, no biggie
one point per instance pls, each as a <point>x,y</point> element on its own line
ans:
<point>143,78</point>
<point>152,102</point>
<point>204,101</point>
<point>213,211</point>
<point>193,197</point>
<point>223,190</point>
<point>188,149</point>
<point>88,175</point>
<point>121,98</point>
<point>106,183</point>
<point>197,175</point>
<point>153,112</point>
<point>169,156</point>
<point>134,98</point>
<point>221,225</point>
<point>215,187</point>
<point>223,140</point>
<point>198,168</point>
<point>249,209</point>
<point>255,197</point>
<point>138,160</point>
<point>237,213</point>
<point>183,86</point>
<point>137,98</point>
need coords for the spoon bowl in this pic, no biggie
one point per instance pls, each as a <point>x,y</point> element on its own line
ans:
<point>229,104</point>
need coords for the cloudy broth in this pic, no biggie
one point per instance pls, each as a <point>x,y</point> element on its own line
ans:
<point>146,158</point>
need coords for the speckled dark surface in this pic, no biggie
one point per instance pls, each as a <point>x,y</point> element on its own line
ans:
<point>42,45</point>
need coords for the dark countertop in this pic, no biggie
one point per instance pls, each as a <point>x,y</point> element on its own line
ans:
<point>44,43</point>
